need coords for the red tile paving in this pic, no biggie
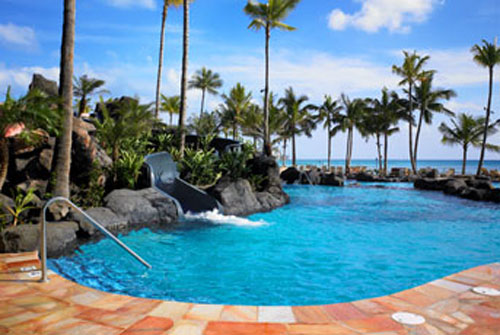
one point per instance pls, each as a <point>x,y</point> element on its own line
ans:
<point>63,307</point>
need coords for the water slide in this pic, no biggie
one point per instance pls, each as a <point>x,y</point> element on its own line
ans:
<point>166,179</point>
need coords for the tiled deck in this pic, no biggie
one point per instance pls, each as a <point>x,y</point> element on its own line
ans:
<point>63,307</point>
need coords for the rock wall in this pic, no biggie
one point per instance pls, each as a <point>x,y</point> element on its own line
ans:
<point>125,211</point>
<point>473,188</point>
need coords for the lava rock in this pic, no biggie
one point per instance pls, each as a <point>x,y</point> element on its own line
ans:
<point>236,197</point>
<point>475,194</point>
<point>105,216</point>
<point>44,85</point>
<point>290,175</point>
<point>455,187</point>
<point>482,184</point>
<point>331,179</point>
<point>365,176</point>
<point>430,184</point>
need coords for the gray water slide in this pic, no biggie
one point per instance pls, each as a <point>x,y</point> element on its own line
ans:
<point>165,179</point>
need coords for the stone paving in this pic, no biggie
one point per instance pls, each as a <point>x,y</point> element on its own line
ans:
<point>60,306</point>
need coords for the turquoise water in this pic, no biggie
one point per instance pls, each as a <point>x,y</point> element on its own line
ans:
<point>441,165</point>
<point>329,245</point>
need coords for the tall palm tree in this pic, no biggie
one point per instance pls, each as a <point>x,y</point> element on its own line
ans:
<point>411,71</point>
<point>298,119</point>
<point>63,161</point>
<point>488,56</point>
<point>84,87</point>
<point>250,121</point>
<point>170,105</point>
<point>33,111</point>
<point>183,95</point>
<point>269,16</point>
<point>467,130</point>
<point>206,81</point>
<point>235,104</point>
<point>329,114</point>
<point>351,119</point>
<point>166,4</point>
<point>427,100</point>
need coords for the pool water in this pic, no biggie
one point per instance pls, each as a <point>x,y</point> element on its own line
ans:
<point>329,245</point>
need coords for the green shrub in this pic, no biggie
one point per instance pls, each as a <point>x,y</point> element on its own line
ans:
<point>235,163</point>
<point>198,167</point>
<point>126,170</point>
<point>93,195</point>
<point>22,203</point>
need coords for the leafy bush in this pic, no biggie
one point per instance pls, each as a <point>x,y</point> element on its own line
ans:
<point>234,163</point>
<point>198,167</point>
<point>257,181</point>
<point>126,170</point>
<point>22,202</point>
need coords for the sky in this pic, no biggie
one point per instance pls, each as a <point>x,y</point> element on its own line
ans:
<point>340,46</point>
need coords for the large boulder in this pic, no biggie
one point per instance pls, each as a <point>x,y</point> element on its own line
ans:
<point>330,179</point>
<point>481,184</point>
<point>105,216</point>
<point>44,85</point>
<point>365,176</point>
<point>290,175</point>
<point>237,197</point>
<point>268,167</point>
<point>430,184</point>
<point>494,195</point>
<point>311,177</point>
<point>455,187</point>
<point>61,238</point>
<point>144,208</point>
<point>476,194</point>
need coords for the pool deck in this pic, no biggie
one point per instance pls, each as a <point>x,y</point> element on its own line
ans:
<point>64,307</point>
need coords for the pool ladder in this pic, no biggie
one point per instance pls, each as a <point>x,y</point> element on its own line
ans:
<point>43,234</point>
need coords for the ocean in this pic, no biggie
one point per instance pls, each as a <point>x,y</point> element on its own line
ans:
<point>441,165</point>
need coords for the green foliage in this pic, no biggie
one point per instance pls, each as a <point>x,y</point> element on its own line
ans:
<point>205,125</point>
<point>126,170</point>
<point>234,163</point>
<point>22,203</point>
<point>257,181</point>
<point>93,195</point>
<point>199,165</point>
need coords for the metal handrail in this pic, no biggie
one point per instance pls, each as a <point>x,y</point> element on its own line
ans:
<point>43,235</point>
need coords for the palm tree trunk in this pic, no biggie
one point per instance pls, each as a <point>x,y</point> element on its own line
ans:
<point>417,136</point>
<point>464,162</point>
<point>329,151</point>
<point>4,160</point>
<point>294,155</point>
<point>386,149</point>
<point>379,151</point>
<point>486,125</point>
<point>171,115</point>
<point>83,105</point>
<point>410,129</point>
<point>185,53</point>
<point>63,165</point>
<point>348,152</point>
<point>267,137</point>
<point>160,60</point>
<point>202,102</point>
<point>284,152</point>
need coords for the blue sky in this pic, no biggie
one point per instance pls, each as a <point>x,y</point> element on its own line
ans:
<point>340,46</point>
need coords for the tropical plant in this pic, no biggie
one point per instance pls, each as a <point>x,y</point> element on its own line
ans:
<point>269,16</point>
<point>411,71</point>
<point>126,170</point>
<point>206,81</point>
<point>298,119</point>
<point>83,88</point>
<point>63,159</point>
<point>22,202</point>
<point>466,130</point>
<point>170,105</point>
<point>207,124</point>
<point>427,100</point>
<point>93,195</point>
<point>131,120</point>
<point>199,167</point>
<point>250,121</point>
<point>234,164</point>
<point>486,55</point>
<point>235,104</point>
<point>166,4</point>
<point>329,114</point>
<point>22,117</point>
<point>348,121</point>
<point>184,73</point>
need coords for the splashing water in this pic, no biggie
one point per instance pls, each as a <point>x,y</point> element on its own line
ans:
<point>218,218</point>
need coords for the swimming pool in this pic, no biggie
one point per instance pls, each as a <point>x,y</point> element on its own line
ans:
<point>329,245</point>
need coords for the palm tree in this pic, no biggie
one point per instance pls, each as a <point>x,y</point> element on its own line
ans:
<point>206,81</point>
<point>84,87</point>
<point>351,119</point>
<point>63,161</point>
<point>250,121</point>
<point>170,105</point>
<point>467,130</point>
<point>329,113</point>
<point>298,119</point>
<point>183,95</point>
<point>486,55</point>
<point>166,4</point>
<point>428,102</point>
<point>235,104</point>
<point>33,111</point>
<point>411,71</point>
<point>269,16</point>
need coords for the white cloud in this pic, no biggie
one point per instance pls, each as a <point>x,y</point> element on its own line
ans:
<point>394,15</point>
<point>20,78</point>
<point>17,35</point>
<point>149,4</point>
